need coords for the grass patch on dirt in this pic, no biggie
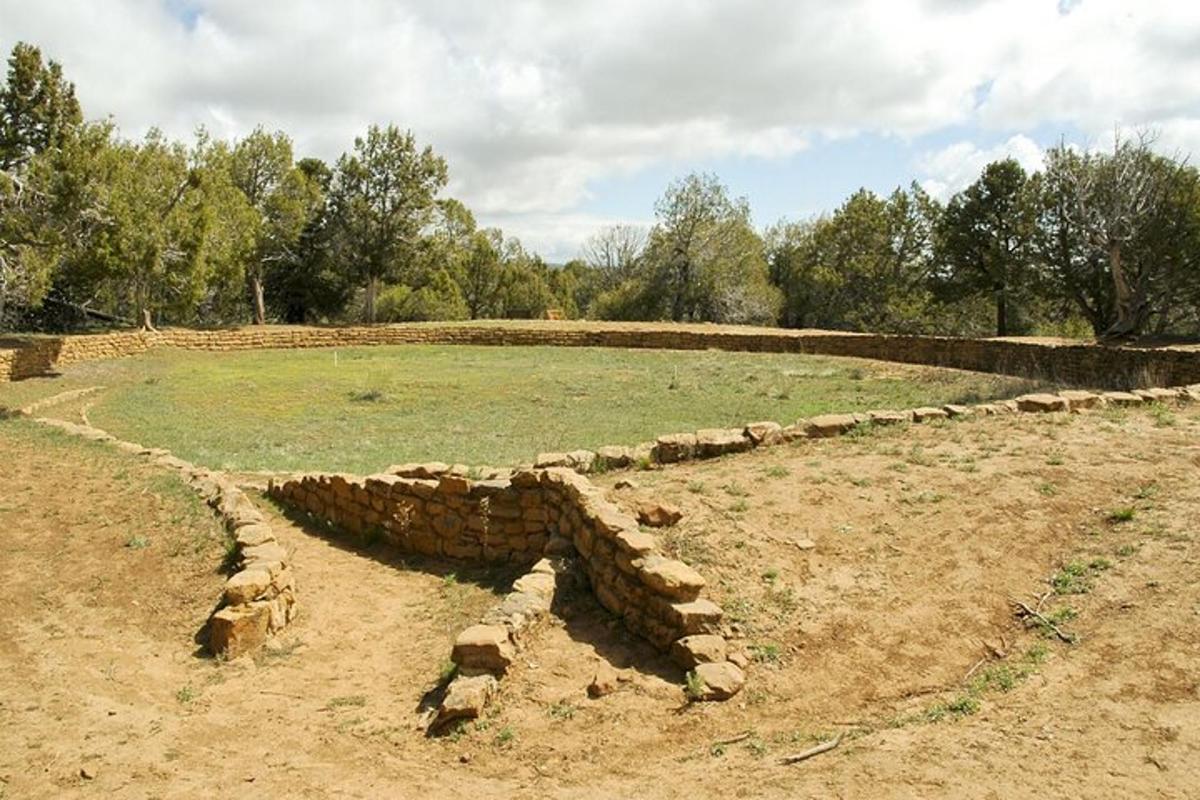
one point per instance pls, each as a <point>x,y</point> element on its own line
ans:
<point>360,409</point>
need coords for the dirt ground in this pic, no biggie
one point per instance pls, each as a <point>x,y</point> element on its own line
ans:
<point>867,576</point>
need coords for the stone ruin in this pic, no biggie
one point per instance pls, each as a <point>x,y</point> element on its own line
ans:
<point>556,522</point>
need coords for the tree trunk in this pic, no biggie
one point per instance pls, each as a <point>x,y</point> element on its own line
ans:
<point>1001,311</point>
<point>372,291</point>
<point>1127,321</point>
<point>260,307</point>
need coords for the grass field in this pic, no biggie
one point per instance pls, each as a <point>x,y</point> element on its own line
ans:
<point>361,409</point>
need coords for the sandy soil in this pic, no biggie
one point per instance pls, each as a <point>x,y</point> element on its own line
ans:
<point>868,576</point>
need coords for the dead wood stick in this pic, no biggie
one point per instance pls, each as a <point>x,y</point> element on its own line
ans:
<point>741,737</point>
<point>1042,600</point>
<point>823,747</point>
<point>971,671</point>
<point>1029,612</point>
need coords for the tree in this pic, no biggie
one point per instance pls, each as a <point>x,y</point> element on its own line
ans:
<point>481,273</point>
<point>615,253</point>
<point>172,227</point>
<point>865,267</point>
<point>703,261</point>
<point>985,238</point>
<point>1115,200</point>
<point>382,198</point>
<point>310,284</point>
<point>45,178</point>
<point>38,109</point>
<point>282,198</point>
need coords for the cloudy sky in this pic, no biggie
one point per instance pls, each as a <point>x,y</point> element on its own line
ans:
<point>559,117</point>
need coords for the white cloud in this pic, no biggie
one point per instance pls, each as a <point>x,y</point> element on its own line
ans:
<point>534,101</point>
<point>956,166</point>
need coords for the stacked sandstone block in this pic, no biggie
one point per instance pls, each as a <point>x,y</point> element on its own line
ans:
<point>446,515</point>
<point>484,653</point>
<point>534,512</point>
<point>674,448</point>
<point>259,598</point>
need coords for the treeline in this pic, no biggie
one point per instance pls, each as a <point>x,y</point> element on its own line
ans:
<point>98,229</point>
<point>1100,244</point>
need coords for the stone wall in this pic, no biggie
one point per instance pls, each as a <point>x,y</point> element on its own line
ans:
<point>1077,364</point>
<point>519,518</point>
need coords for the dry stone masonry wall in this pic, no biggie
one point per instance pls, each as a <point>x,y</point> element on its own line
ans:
<point>1078,364</point>
<point>674,448</point>
<point>527,517</point>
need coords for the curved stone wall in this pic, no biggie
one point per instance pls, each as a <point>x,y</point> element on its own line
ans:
<point>519,519</point>
<point>1078,364</point>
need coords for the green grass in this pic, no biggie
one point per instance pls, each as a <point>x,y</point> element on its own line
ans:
<point>374,406</point>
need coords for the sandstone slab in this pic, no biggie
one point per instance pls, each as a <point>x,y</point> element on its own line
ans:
<point>236,630</point>
<point>713,442</point>
<point>704,648</point>
<point>1042,403</point>
<point>675,447</point>
<point>246,586</point>
<point>483,649</point>
<point>466,698</point>
<point>720,681</point>
<point>826,425</point>
<point>669,577</point>
<point>764,434</point>
<point>657,515</point>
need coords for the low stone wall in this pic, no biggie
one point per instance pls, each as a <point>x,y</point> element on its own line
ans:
<point>520,518</point>
<point>708,443</point>
<point>1068,363</point>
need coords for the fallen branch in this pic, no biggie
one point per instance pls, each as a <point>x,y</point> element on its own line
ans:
<point>1029,612</point>
<point>741,737</point>
<point>971,671</point>
<point>823,747</point>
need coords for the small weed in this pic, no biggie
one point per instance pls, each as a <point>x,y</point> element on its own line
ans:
<point>739,506</point>
<point>347,701</point>
<point>769,653</point>
<point>185,695</point>
<point>962,706</point>
<point>771,575</point>
<point>505,736</point>
<point>1163,418</point>
<point>757,747</point>
<point>1073,578</point>
<point>447,672</point>
<point>861,483</point>
<point>366,396</point>
<point>1099,564</point>
<point>1126,550</point>
<point>1054,460</point>
<point>562,710</point>
<point>693,687</point>
<point>645,464</point>
<point>776,472</point>
<point>449,581</point>
<point>735,490</point>
<point>1047,489</point>
<point>137,542</point>
<point>1123,514</point>
<point>1146,491</point>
